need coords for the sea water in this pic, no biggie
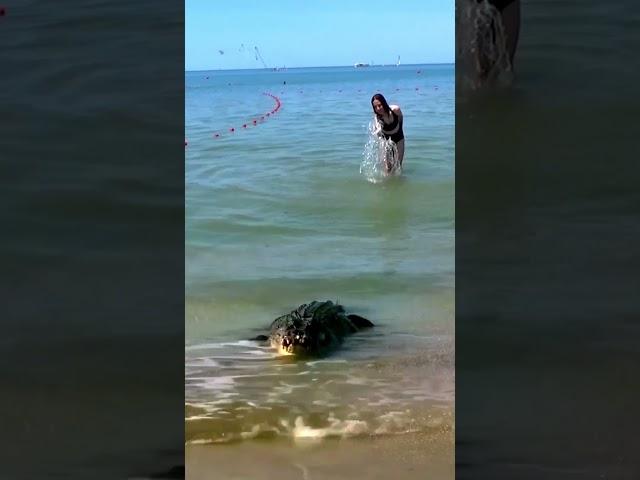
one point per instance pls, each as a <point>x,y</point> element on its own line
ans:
<point>547,208</point>
<point>278,213</point>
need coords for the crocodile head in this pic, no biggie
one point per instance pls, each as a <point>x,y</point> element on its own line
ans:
<point>301,341</point>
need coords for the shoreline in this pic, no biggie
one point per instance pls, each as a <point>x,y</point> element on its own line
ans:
<point>408,456</point>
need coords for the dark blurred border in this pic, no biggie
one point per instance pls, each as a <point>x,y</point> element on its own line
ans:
<point>92,172</point>
<point>547,262</point>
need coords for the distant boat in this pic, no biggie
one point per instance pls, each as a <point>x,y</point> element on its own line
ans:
<point>398,62</point>
<point>358,65</point>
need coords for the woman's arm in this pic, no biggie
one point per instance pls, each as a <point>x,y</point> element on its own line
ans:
<point>397,111</point>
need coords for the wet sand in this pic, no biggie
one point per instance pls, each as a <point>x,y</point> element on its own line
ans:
<point>409,456</point>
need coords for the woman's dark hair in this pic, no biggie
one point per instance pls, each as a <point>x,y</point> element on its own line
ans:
<point>382,100</point>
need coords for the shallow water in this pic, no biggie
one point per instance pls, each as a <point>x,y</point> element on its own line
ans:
<point>546,210</point>
<point>92,222</point>
<point>278,214</point>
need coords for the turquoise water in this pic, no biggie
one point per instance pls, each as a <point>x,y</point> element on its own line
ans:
<point>278,214</point>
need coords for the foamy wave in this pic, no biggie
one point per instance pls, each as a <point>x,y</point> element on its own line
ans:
<point>202,362</point>
<point>256,431</point>
<point>196,418</point>
<point>337,428</point>
<point>200,441</point>
<point>394,422</point>
<point>239,343</point>
<point>202,346</point>
<point>213,383</point>
<point>313,363</point>
<point>310,428</point>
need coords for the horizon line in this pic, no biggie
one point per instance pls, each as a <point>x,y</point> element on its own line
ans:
<point>319,66</point>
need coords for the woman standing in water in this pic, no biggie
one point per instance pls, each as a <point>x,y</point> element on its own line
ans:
<point>389,118</point>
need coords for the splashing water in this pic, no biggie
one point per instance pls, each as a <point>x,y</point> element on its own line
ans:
<point>481,51</point>
<point>380,156</point>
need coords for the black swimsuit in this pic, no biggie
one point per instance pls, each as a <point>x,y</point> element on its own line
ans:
<point>399,135</point>
<point>500,4</point>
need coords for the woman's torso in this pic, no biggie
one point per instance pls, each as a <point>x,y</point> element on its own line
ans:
<point>389,128</point>
<point>393,130</point>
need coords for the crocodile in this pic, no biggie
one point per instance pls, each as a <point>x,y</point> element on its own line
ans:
<point>313,329</point>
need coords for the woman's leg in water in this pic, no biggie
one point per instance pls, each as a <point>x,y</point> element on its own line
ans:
<point>400,146</point>
<point>511,21</point>
<point>390,162</point>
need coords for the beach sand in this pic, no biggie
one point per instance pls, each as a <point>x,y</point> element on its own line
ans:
<point>408,456</point>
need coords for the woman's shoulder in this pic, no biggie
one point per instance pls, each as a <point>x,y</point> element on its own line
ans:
<point>395,109</point>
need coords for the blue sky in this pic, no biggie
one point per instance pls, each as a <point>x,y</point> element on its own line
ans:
<point>305,33</point>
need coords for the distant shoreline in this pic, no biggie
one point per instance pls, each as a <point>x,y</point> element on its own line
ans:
<point>325,66</point>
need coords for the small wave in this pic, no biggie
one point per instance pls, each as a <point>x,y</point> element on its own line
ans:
<point>213,383</point>
<point>239,343</point>
<point>337,428</point>
<point>201,362</point>
<point>313,363</point>
<point>313,427</point>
